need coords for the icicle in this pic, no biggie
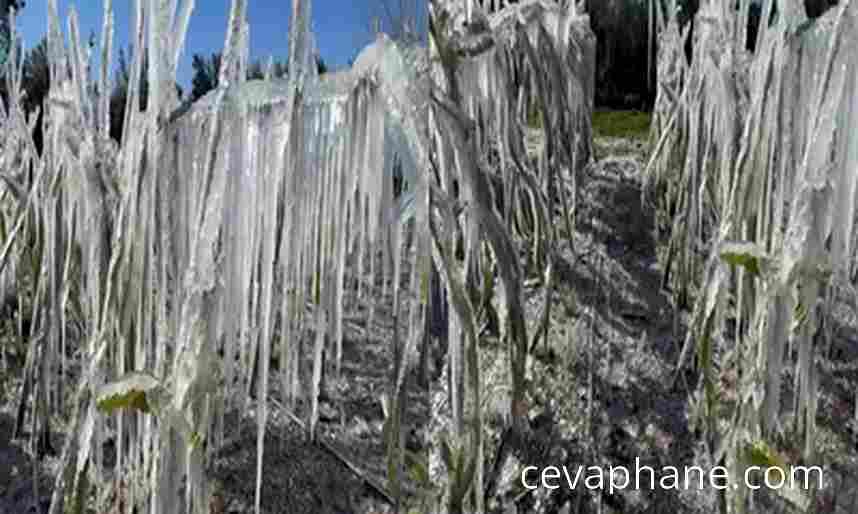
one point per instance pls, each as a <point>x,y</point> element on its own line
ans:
<point>181,31</point>
<point>106,54</point>
<point>301,45</point>
<point>317,370</point>
<point>843,212</point>
<point>233,49</point>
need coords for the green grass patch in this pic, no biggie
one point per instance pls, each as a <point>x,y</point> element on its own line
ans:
<point>629,124</point>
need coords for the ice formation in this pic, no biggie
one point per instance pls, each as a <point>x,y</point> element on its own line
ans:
<point>215,227</point>
<point>496,63</point>
<point>226,227</point>
<point>277,183</point>
<point>758,153</point>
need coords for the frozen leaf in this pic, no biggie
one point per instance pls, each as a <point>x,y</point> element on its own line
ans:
<point>137,391</point>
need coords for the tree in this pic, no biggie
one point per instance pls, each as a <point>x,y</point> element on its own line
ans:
<point>5,33</point>
<point>205,74</point>
<point>119,95</point>
<point>621,33</point>
<point>36,76</point>
<point>36,82</point>
<point>816,8</point>
<point>321,66</point>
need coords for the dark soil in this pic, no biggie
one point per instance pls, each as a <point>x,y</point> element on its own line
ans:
<point>17,472</point>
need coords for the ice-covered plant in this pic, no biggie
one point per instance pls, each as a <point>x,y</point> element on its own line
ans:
<point>757,153</point>
<point>488,198</point>
<point>202,230</point>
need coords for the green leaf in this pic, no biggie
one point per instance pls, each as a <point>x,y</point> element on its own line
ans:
<point>418,468</point>
<point>392,475</point>
<point>761,454</point>
<point>134,391</point>
<point>196,440</point>
<point>750,256</point>
<point>799,316</point>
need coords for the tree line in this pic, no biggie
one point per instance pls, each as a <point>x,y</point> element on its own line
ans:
<point>621,29</point>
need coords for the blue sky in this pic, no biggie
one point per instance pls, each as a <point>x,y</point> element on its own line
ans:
<point>342,27</point>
